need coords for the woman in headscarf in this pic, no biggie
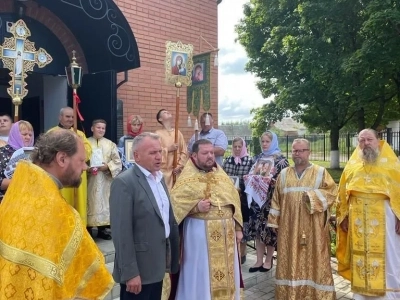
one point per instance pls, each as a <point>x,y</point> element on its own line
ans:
<point>239,164</point>
<point>21,135</point>
<point>260,185</point>
<point>134,127</point>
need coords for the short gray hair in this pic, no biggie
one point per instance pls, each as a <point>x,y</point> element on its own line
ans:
<point>138,140</point>
<point>305,141</point>
<point>62,110</point>
<point>374,132</point>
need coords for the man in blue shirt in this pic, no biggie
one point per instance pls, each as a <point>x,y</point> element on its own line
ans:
<point>215,136</point>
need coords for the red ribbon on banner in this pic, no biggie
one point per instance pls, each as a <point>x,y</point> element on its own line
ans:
<point>77,101</point>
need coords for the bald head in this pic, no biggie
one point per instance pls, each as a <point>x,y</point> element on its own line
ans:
<point>66,117</point>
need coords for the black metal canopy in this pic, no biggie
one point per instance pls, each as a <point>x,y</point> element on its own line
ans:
<point>101,30</point>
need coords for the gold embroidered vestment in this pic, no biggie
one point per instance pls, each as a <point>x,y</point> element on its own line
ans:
<point>45,250</point>
<point>303,270</point>
<point>363,190</point>
<point>221,221</point>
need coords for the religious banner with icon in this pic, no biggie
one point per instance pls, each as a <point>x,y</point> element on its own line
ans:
<point>198,95</point>
<point>258,180</point>
<point>19,55</point>
<point>178,63</point>
<point>178,71</point>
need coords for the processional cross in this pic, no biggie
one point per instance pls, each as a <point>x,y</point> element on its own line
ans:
<point>19,55</point>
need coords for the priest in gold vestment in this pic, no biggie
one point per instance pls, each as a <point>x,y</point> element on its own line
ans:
<point>299,212</point>
<point>45,250</point>
<point>206,201</point>
<point>78,198</point>
<point>169,147</point>
<point>105,165</point>
<point>368,211</point>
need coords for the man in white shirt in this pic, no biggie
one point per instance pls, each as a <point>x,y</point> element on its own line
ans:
<point>5,126</point>
<point>145,232</point>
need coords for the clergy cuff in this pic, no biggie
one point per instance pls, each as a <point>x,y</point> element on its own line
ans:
<point>194,210</point>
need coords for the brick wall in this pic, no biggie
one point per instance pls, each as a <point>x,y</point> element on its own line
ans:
<point>154,22</point>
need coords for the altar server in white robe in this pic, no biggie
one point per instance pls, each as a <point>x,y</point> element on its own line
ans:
<point>105,164</point>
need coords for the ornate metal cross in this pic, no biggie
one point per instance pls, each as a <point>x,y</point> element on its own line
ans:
<point>20,56</point>
<point>210,179</point>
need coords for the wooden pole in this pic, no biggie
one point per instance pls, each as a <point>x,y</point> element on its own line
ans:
<point>16,116</point>
<point>74,107</point>
<point>196,130</point>
<point>175,164</point>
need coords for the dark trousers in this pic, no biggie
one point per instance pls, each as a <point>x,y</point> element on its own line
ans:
<point>149,292</point>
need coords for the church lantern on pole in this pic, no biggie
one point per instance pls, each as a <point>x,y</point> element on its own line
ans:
<point>74,78</point>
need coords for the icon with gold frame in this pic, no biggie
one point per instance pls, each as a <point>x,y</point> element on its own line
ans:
<point>179,63</point>
<point>128,151</point>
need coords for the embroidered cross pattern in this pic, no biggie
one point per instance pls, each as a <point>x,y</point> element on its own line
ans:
<point>216,235</point>
<point>219,275</point>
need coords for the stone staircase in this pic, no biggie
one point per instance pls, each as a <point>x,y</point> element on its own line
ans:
<point>250,279</point>
<point>107,247</point>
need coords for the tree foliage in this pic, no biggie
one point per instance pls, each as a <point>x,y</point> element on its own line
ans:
<point>329,63</point>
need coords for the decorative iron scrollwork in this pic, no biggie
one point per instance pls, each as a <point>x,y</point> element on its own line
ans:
<point>118,43</point>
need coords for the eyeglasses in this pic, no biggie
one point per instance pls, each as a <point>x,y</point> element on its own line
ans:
<point>300,151</point>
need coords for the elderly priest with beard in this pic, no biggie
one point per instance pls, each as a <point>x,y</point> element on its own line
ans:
<point>206,201</point>
<point>368,214</point>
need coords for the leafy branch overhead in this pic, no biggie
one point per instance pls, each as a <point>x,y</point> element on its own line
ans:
<point>332,64</point>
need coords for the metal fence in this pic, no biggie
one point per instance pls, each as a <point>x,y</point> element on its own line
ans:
<point>320,144</point>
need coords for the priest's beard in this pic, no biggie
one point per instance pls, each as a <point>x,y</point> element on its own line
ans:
<point>369,155</point>
<point>71,178</point>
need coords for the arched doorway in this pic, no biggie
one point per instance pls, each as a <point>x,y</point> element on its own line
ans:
<point>106,46</point>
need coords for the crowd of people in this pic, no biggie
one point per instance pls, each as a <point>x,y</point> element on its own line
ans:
<point>180,215</point>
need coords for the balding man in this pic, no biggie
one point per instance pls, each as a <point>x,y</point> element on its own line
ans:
<point>45,250</point>
<point>76,197</point>
<point>145,232</point>
<point>368,214</point>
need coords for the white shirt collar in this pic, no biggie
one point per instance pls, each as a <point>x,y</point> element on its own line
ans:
<point>158,177</point>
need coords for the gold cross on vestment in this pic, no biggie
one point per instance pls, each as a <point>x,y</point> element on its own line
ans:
<point>210,179</point>
<point>367,178</point>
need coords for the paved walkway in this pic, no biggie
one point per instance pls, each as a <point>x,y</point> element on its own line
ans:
<point>257,285</point>
<point>262,286</point>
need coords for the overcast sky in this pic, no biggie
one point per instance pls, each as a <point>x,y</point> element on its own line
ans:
<point>237,92</point>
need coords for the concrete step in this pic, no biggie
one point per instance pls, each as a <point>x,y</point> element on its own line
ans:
<point>107,247</point>
<point>249,279</point>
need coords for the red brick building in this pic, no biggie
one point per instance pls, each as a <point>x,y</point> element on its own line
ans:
<point>115,41</point>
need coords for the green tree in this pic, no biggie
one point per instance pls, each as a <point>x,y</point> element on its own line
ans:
<point>315,57</point>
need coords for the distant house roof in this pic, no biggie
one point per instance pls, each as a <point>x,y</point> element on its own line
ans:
<point>288,124</point>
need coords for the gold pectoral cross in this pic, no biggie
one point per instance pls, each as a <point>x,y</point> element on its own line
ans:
<point>210,179</point>
<point>367,178</point>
